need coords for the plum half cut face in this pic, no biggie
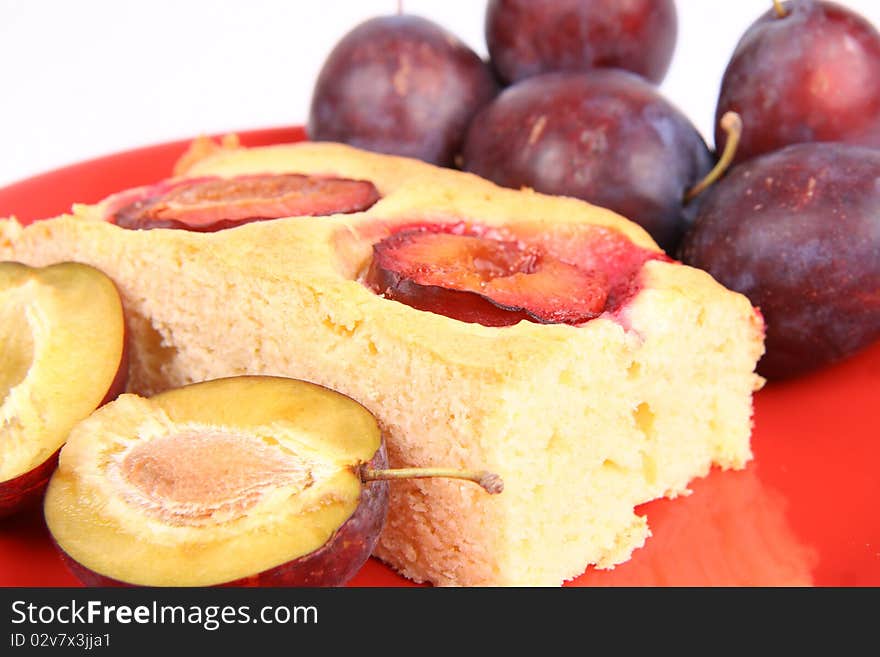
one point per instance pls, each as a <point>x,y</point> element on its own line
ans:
<point>492,280</point>
<point>212,204</point>
<point>242,481</point>
<point>62,354</point>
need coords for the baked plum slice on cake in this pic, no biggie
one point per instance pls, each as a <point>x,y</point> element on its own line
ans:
<point>62,354</point>
<point>212,204</point>
<point>242,481</point>
<point>495,278</point>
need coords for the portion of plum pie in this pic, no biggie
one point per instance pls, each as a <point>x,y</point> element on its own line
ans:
<point>542,338</point>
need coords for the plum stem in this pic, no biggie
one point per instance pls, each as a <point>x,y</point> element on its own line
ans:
<point>731,123</point>
<point>780,10</point>
<point>490,482</point>
<point>399,7</point>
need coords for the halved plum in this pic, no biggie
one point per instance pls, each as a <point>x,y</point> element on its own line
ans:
<point>212,204</point>
<point>241,481</point>
<point>62,354</point>
<point>486,277</point>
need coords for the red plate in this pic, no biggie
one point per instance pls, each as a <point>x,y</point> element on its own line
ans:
<point>805,511</point>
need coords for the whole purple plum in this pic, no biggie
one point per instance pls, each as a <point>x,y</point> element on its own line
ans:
<point>402,85</point>
<point>527,37</point>
<point>606,136</point>
<point>807,71</point>
<point>798,232</point>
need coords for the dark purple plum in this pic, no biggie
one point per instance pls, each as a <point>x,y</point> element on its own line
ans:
<point>798,232</point>
<point>402,85</point>
<point>606,136</point>
<point>527,37</point>
<point>806,71</point>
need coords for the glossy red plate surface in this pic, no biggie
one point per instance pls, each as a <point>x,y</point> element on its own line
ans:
<point>804,512</point>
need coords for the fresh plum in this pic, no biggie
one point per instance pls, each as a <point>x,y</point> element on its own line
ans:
<point>605,136</point>
<point>402,85</point>
<point>804,71</point>
<point>62,355</point>
<point>527,37</point>
<point>798,232</point>
<point>240,481</point>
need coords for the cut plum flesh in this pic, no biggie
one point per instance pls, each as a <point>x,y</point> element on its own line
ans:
<point>239,481</point>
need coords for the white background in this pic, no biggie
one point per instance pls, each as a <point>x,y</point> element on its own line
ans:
<point>83,78</point>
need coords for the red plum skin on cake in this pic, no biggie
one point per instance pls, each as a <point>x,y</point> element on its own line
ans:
<point>497,278</point>
<point>209,204</point>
